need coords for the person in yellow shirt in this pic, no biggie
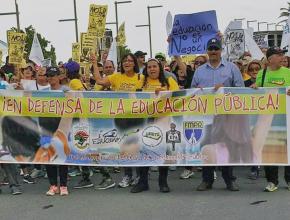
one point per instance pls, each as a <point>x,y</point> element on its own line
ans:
<point>155,80</point>
<point>73,69</point>
<point>129,80</point>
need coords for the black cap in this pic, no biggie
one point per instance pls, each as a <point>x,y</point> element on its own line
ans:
<point>140,53</point>
<point>275,50</point>
<point>52,71</point>
<point>214,42</point>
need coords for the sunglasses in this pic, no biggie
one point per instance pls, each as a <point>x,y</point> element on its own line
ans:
<point>213,48</point>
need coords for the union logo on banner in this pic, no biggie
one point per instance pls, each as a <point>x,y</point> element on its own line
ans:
<point>193,131</point>
<point>81,136</point>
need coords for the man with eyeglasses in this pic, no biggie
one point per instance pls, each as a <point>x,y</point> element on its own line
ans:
<point>216,73</point>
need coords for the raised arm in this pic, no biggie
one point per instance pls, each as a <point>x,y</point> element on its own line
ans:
<point>104,81</point>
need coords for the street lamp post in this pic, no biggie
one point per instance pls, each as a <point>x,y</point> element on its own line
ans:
<point>14,13</point>
<point>75,19</point>
<point>251,21</point>
<point>262,22</point>
<point>149,25</point>
<point>116,14</point>
<point>270,25</point>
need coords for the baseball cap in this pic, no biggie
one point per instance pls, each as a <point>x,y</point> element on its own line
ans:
<point>275,50</point>
<point>25,65</point>
<point>72,67</point>
<point>160,56</point>
<point>52,71</point>
<point>214,42</point>
<point>140,53</point>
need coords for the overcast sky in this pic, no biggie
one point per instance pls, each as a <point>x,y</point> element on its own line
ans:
<point>44,16</point>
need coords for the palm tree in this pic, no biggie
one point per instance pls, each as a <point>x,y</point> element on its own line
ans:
<point>285,12</point>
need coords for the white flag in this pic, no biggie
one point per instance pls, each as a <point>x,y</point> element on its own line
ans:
<point>36,54</point>
<point>169,23</point>
<point>113,53</point>
<point>253,47</point>
<point>285,42</point>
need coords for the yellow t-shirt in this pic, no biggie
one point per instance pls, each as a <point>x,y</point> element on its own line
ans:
<point>154,84</point>
<point>76,84</point>
<point>122,82</point>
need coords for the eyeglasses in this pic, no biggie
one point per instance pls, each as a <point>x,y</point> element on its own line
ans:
<point>212,48</point>
<point>128,61</point>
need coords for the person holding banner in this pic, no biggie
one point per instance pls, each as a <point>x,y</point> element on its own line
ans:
<point>217,73</point>
<point>155,80</point>
<point>128,80</point>
<point>274,75</point>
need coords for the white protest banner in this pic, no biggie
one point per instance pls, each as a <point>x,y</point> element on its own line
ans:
<point>261,40</point>
<point>169,23</point>
<point>191,32</point>
<point>113,55</point>
<point>235,44</point>
<point>285,42</point>
<point>36,54</point>
<point>253,47</point>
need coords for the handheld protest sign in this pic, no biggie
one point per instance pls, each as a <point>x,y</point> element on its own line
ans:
<point>235,44</point>
<point>97,20</point>
<point>88,44</point>
<point>121,38</point>
<point>16,47</point>
<point>76,52</point>
<point>191,32</point>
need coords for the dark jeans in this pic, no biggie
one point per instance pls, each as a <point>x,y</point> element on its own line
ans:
<point>11,173</point>
<point>129,171</point>
<point>162,180</point>
<point>52,174</point>
<point>272,174</point>
<point>227,174</point>
<point>86,173</point>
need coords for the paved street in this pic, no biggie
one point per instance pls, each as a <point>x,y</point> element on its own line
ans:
<point>182,203</point>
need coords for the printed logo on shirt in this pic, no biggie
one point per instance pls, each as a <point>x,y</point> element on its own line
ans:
<point>278,82</point>
<point>152,136</point>
<point>127,86</point>
<point>81,136</point>
<point>192,131</point>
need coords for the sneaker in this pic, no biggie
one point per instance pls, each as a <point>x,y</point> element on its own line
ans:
<point>52,190</point>
<point>233,187</point>
<point>36,174</point>
<point>15,190</point>
<point>186,174</point>
<point>139,188</point>
<point>214,175</point>
<point>63,191</point>
<point>135,181</point>
<point>21,172</point>
<point>288,186</point>
<point>27,179</point>
<point>74,172</point>
<point>126,181</point>
<point>91,173</point>
<point>204,186</point>
<point>106,184</point>
<point>4,182</point>
<point>271,187</point>
<point>84,184</point>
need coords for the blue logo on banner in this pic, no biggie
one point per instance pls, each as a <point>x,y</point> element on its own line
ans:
<point>193,131</point>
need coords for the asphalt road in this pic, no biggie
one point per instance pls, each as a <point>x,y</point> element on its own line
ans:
<point>182,203</point>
